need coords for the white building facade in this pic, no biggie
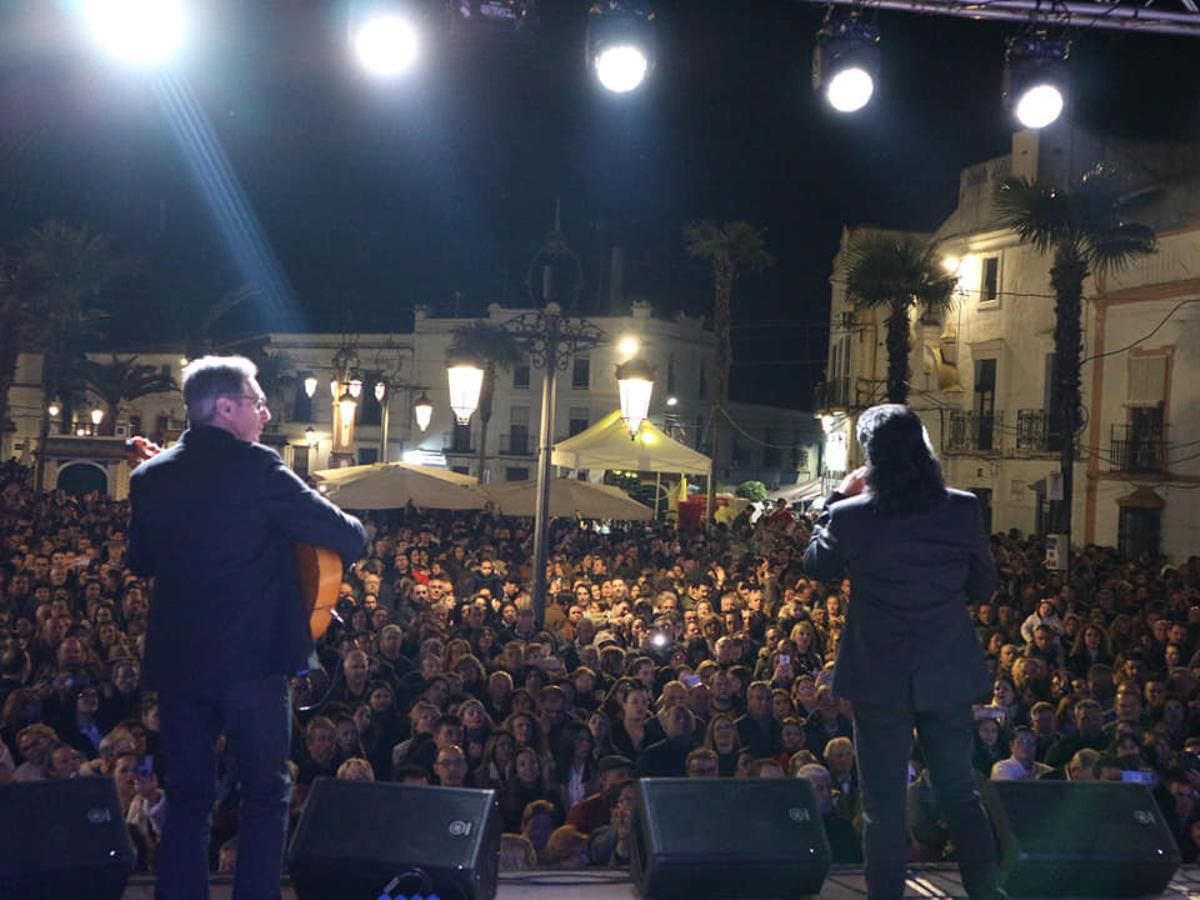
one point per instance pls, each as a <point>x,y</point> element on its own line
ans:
<point>981,373</point>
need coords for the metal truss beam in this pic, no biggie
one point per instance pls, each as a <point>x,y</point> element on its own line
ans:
<point>1148,18</point>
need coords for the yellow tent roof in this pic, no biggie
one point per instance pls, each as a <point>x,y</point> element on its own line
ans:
<point>607,445</point>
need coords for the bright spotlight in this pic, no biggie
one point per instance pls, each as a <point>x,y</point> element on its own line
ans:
<point>1035,78</point>
<point>1039,106</point>
<point>386,44</point>
<point>139,32</point>
<point>628,346</point>
<point>951,263</point>
<point>621,69</point>
<point>846,62</point>
<point>850,90</point>
<point>620,43</point>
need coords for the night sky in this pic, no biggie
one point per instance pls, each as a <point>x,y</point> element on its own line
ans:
<point>438,188</point>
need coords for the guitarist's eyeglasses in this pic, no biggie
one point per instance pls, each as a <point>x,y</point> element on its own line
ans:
<point>260,403</point>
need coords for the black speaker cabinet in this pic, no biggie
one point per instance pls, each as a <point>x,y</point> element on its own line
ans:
<point>63,839</point>
<point>1077,838</point>
<point>355,837</point>
<point>727,837</point>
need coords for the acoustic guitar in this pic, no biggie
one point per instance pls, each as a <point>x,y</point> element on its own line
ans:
<point>319,568</point>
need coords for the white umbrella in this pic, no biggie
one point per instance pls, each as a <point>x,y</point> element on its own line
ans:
<point>568,497</point>
<point>396,484</point>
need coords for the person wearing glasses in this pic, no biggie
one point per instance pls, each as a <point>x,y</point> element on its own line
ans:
<point>213,520</point>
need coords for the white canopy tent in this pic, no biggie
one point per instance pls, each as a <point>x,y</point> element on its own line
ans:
<point>607,445</point>
<point>568,497</point>
<point>396,484</point>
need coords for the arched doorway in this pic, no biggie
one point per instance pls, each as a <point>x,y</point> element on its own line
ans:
<point>81,478</point>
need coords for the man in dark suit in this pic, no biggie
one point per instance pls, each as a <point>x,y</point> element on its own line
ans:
<point>909,656</point>
<point>214,519</point>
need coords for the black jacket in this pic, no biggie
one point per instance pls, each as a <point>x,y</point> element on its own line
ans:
<point>214,519</point>
<point>908,642</point>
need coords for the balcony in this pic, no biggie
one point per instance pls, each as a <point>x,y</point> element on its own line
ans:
<point>518,443</point>
<point>832,396</point>
<point>456,444</point>
<point>1033,431</point>
<point>972,431</point>
<point>1137,449</point>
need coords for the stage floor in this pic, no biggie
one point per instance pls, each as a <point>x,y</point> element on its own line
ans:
<point>843,883</point>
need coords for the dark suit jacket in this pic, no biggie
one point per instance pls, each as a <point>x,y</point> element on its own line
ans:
<point>907,642</point>
<point>213,521</point>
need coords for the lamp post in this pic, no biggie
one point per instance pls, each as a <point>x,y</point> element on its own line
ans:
<point>422,408</point>
<point>344,389</point>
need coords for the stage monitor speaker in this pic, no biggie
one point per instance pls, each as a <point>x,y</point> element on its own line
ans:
<point>355,837</point>
<point>63,839</point>
<point>1080,838</point>
<point>726,837</point>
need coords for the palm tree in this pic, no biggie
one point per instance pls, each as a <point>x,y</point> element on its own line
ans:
<point>495,349</point>
<point>19,329</point>
<point>123,379</point>
<point>729,248</point>
<point>1085,229</point>
<point>200,338</point>
<point>896,272</point>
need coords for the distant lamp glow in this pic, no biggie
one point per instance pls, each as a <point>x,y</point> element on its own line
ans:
<point>628,345</point>
<point>346,406</point>
<point>1036,77</point>
<point>621,69</point>
<point>380,390</point>
<point>139,32</point>
<point>951,263</point>
<point>1039,106</point>
<point>355,388</point>
<point>466,383</point>
<point>423,411</point>
<point>310,436</point>
<point>310,385</point>
<point>386,44</point>
<point>845,62</point>
<point>635,380</point>
<point>620,43</point>
<point>97,416</point>
<point>672,401</point>
<point>53,409</point>
<point>333,388</point>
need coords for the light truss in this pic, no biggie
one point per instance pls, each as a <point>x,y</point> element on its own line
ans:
<point>1181,17</point>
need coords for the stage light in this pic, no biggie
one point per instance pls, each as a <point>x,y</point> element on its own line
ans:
<point>386,43</point>
<point>620,43</point>
<point>846,62</point>
<point>139,32</point>
<point>1035,78</point>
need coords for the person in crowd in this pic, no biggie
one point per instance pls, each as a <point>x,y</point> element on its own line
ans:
<point>1021,763</point>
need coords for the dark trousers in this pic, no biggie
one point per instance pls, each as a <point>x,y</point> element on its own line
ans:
<point>883,740</point>
<point>256,718</point>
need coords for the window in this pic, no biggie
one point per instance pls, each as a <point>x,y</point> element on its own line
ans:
<point>989,280</point>
<point>985,403</point>
<point>984,495</point>
<point>702,390</point>
<point>518,435</point>
<point>671,376</point>
<point>516,473</point>
<point>461,439</point>
<point>581,373</point>
<point>1138,531</point>
<point>461,470</point>
<point>370,411</point>
<point>366,455</point>
<point>302,405</point>
<point>521,377</point>
<point>577,420</point>
<point>300,459</point>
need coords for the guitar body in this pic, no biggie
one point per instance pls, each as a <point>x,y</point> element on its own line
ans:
<point>320,579</point>
<point>320,569</point>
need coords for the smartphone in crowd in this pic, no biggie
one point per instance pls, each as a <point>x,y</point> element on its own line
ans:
<point>690,680</point>
<point>784,659</point>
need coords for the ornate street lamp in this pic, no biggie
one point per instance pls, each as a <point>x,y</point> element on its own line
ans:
<point>53,409</point>
<point>466,383</point>
<point>97,417</point>
<point>635,379</point>
<point>310,386</point>
<point>423,410</point>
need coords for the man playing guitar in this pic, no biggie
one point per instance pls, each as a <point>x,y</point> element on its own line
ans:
<point>214,521</point>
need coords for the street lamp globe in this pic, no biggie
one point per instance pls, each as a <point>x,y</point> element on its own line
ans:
<point>380,390</point>
<point>466,384</point>
<point>423,410</point>
<point>635,379</point>
<point>355,387</point>
<point>310,436</point>
<point>347,405</point>
<point>53,409</point>
<point>97,416</point>
<point>310,385</point>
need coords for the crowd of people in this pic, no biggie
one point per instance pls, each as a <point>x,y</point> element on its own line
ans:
<point>661,654</point>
